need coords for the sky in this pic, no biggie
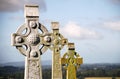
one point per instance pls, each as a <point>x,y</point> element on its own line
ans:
<point>93,25</point>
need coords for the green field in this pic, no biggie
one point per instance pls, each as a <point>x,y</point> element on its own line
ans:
<point>102,78</point>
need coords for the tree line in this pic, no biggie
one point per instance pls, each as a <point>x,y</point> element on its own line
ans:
<point>10,72</point>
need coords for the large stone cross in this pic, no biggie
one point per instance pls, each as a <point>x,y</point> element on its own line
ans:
<point>29,42</point>
<point>32,43</point>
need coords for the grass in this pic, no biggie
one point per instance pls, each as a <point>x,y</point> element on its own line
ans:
<point>102,78</point>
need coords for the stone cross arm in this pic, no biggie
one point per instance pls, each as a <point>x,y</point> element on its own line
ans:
<point>77,60</point>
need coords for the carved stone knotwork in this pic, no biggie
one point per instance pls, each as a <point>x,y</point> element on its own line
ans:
<point>71,61</point>
<point>27,40</point>
<point>32,44</point>
<point>58,42</point>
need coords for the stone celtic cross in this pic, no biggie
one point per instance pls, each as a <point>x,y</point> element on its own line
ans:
<point>32,44</point>
<point>27,40</point>
<point>71,61</point>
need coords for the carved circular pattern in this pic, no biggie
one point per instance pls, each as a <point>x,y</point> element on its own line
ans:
<point>33,39</point>
<point>33,24</point>
<point>19,39</point>
<point>56,42</point>
<point>47,38</point>
<point>33,54</point>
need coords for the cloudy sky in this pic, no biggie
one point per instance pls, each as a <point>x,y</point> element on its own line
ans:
<point>93,25</point>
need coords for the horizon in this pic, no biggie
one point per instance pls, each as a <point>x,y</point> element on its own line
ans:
<point>51,62</point>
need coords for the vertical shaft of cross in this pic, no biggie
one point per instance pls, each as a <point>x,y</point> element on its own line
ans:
<point>56,66</point>
<point>32,60</point>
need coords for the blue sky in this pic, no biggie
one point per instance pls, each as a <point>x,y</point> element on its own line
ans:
<point>93,25</point>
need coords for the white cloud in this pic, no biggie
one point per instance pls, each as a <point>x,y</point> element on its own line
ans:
<point>73,30</point>
<point>113,25</point>
<point>16,5</point>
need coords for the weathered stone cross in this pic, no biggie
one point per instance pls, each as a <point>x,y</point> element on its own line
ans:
<point>32,44</point>
<point>71,61</point>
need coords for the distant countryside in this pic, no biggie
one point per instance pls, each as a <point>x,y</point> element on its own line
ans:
<point>86,71</point>
<point>102,78</point>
